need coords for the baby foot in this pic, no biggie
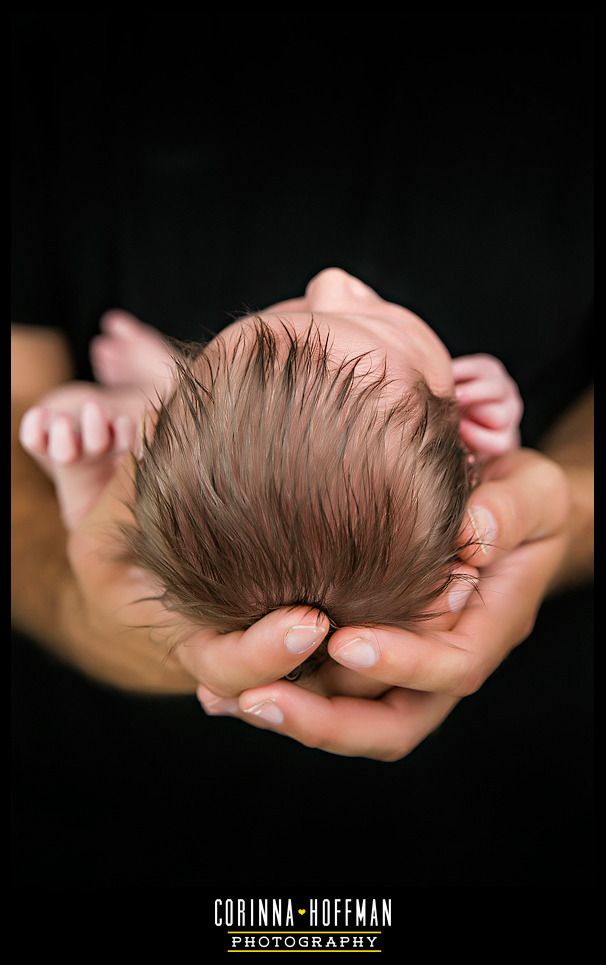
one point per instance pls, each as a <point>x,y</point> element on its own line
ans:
<point>79,452</point>
<point>132,353</point>
<point>490,403</point>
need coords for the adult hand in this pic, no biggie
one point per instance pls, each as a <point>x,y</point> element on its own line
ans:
<point>519,517</point>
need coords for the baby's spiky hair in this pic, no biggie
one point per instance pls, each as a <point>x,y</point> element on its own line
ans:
<point>276,476</point>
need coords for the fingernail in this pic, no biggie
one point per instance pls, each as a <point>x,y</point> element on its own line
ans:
<point>358,653</point>
<point>458,597</point>
<point>484,527</point>
<point>223,706</point>
<point>268,710</point>
<point>301,638</point>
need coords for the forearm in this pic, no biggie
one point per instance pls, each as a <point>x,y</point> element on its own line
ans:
<point>570,443</point>
<point>39,361</point>
<point>46,603</point>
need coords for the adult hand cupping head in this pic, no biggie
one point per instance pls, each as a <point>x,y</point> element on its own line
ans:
<point>520,515</point>
<point>518,519</point>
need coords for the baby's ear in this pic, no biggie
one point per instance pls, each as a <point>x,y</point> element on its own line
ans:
<point>454,599</point>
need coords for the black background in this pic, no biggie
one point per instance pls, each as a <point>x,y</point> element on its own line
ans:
<point>186,169</point>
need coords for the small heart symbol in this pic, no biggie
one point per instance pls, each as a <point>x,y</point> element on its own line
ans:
<point>301,911</point>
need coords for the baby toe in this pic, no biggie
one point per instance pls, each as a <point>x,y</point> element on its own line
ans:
<point>63,441</point>
<point>96,431</point>
<point>32,431</point>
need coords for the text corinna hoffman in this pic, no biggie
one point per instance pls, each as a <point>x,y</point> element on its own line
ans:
<point>310,912</point>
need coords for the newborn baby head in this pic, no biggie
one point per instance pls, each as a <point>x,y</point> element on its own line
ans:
<point>309,455</point>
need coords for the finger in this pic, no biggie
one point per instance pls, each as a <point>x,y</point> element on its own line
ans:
<point>362,679</point>
<point>523,496</point>
<point>386,729</point>
<point>271,648</point>
<point>424,660</point>
<point>511,593</point>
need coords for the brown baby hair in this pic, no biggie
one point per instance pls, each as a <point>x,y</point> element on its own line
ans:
<point>275,476</point>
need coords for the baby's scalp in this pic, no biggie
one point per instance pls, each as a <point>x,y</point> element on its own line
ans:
<point>281,475</point>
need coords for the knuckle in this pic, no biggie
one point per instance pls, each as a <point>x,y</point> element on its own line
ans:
<point>390,748</point>
<point>391,755</point>
<point>195,663</point>
<point>528,627</point>
<point>312,733</point>
<point>471,680</point>
<point>222,690</point>
<point>312,739</point>
<point>219,683</point>
<point>560,484</point>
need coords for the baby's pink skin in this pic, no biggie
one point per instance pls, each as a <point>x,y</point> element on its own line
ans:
<point>78,431</point>
<point>491,406</point>
<point>130,353</point>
